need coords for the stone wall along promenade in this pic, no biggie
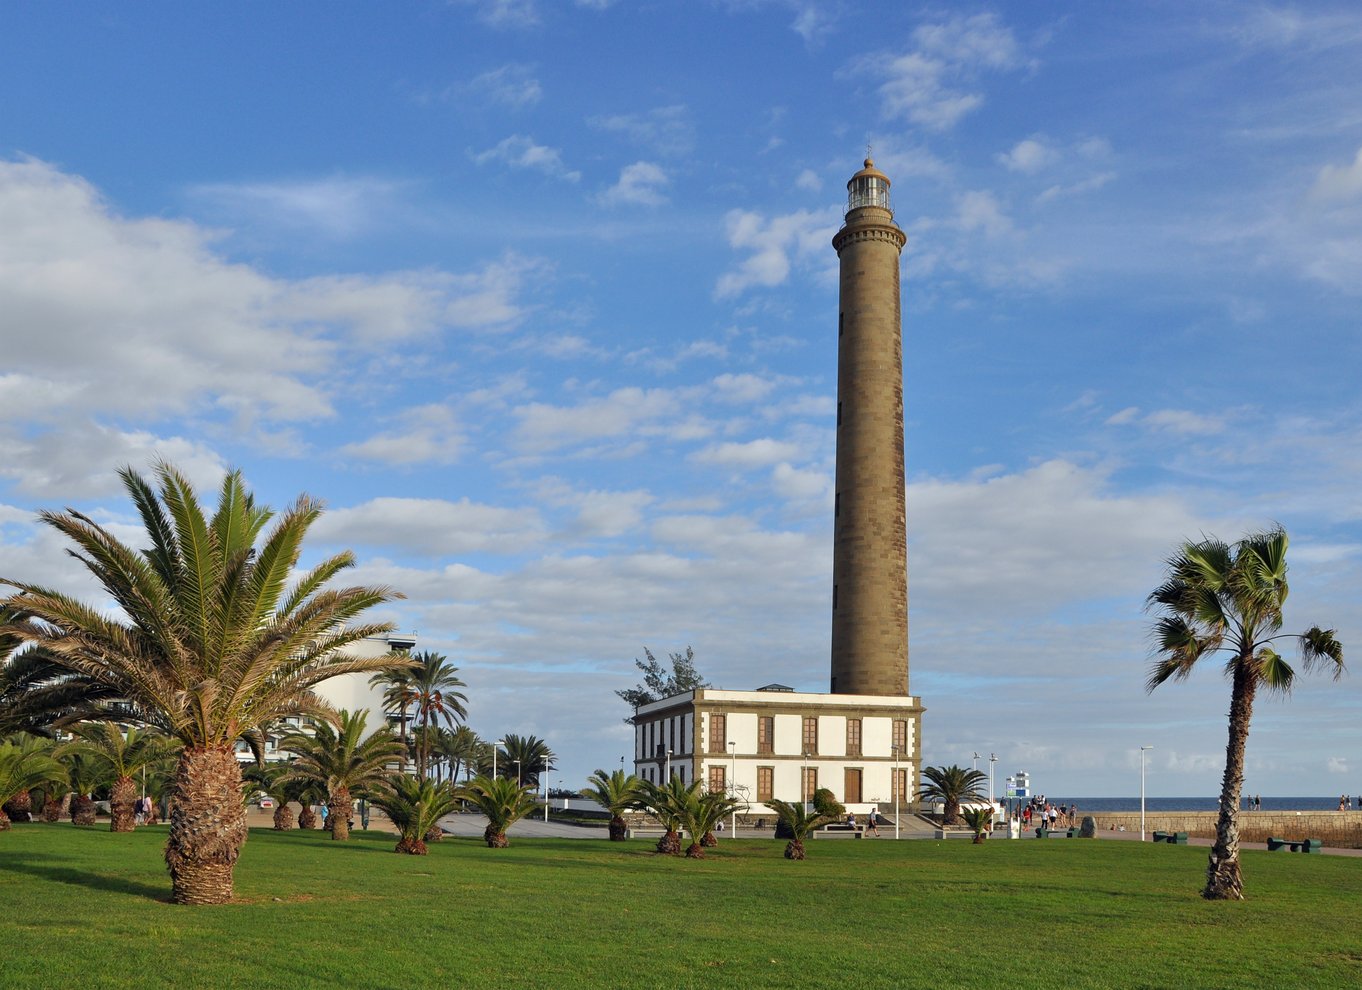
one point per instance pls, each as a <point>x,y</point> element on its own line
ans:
<point>1341,829</point>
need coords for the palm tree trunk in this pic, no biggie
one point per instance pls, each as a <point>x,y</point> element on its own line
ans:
<point>670,843</point>
<point>283,817</point>
<point>435,834</point>
<point>54,807</point>
<point>4,821</point>
<point>338,814</point>
<point>618,829</point>
<point>411,846</point>
<point>695,850</point>
<point>307,819</point>
<point>20,807</point>
<point>1223,879</point>
<point>495,838</point>
<point>207,825</point>
<point>82,810</point>
<point>794,849</point>
<point>124,793</point>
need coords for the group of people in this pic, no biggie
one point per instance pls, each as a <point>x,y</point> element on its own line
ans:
<point>143,810</point>
<point>1253,802</point>
<point>1049,815</point>
<point>872,823</point>
<point>1345,802</point>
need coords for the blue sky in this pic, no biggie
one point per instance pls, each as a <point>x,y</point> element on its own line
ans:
<point>539,297</point>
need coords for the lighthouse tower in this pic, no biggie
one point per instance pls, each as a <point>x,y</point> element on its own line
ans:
<point>870,553</point>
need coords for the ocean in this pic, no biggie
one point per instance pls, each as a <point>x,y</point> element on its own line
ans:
<point>1152,803</point>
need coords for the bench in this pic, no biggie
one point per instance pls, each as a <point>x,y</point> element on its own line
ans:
<point>1294,845</point>
<point>1172,838</point>
<point>840,832</point>
<point>1045,833</point>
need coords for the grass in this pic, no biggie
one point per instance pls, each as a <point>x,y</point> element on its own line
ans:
<point>85,907</point>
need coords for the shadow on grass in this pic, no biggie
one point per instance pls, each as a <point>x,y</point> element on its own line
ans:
<point>46,868</point>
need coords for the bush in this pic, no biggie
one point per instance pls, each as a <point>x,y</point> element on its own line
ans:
<point>825,804</point>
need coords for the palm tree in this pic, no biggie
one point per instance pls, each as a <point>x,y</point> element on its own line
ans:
<point>396,695</point>
<point>210,642</point>
<point>700,813</point>
<point>460,749</point>
<point>524,758</point>
<point>117,758</point>
<point>951,785</point>
<point>274,781</point>
<point>19,806</point>
<point>979,818</point>
<point>616,793</point>
<point>503,802</point>
<point>667,802</point>
<point>83,775</point>
<point>415,806</point>
<point>22,770</point>
<point>344,761</point>
<point>434,698</point>
<point>798,822</point>
<point>1221,599</point>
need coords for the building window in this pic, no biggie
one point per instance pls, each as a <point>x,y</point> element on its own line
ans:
<point>810,783</point>
<point>766,783</point>
<point>718,733</point>
<point>852,791</point>
<point>717,783</point>
<point>900,736</point>
<point>810,734</point>
<point>766,734</point>
<point>901,786</point>
<point>853,737</point>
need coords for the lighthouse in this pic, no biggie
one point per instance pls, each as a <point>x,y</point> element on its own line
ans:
<point>870,551</point>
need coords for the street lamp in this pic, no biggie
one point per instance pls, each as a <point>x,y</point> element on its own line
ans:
<point>975,765</point>
<point>804,780</point>
<point>1142,751</point>
<point>897,815</point>
<point>733,782</point>
<point>992,759</point>
<point>517,774</point>
<point>495,749</point>
<point>666,778</point>
<point>545,777</point>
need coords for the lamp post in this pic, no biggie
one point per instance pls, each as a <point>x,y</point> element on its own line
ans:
<point>1142,752</point>
<point>897,813</point>
<point>992,759</point>
<point>545,778</point>
<point>495,749</point>
<point>565,797</point>
<point>975,765</point>
<point>666,778</point>
<point>517,774</point>
<point>804,781</point>
<point>733,783</point>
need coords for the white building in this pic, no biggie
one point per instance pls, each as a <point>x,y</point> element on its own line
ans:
<point>351,692</point>
<point>779,743</point>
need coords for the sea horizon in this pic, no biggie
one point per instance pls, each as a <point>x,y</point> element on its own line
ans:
<point>1198,803</point>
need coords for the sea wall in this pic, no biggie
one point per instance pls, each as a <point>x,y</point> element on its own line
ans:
<point>1334,828</point>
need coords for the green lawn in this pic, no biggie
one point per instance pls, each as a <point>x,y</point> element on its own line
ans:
<point>84,907</point>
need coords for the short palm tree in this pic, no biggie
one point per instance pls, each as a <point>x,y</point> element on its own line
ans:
<point>1227,600</point>
<point>798,822</point>
<point>951,785</point>
<point>415,806</point>
<point>343,761</point>
<point>667,803</point>
<point>700,813</point>
<point>980,819</point>
<point>217,635</point>
<point>19,806</point>
<point>502,801</point>
<point>22,770</point>
<point>83,775</point>
<point>273,780</point>
<point>616,793</point>
<point>117,756</point>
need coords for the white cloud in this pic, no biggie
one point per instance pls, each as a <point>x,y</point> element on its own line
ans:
<point>341,207</point>
<point>1339,183</point>
<point>432,527</point>
<point>1180,422</point>
<point>801,484</point>
<point>505,13</point>
<point>512,85</point>
<point>640,184</point>
<point>425,435</point>
<point>1029,156</point>
<point>979,210</point>
<point>762,452</point>
<point>663,130</point>
<point>920,84</point>
<point>774,246</point>
<point>809,181</point>
<point>520,151</point>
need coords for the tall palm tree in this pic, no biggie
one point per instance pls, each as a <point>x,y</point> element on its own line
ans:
<point>218,634</point>
<point>616,793</point>
<point>435,698</point>
<point>502,801</point>
<point>951,785</point>
<point>798,822</point>
<point>524,758</point>
<point>341,759</point>
<point>117,757</point>
<point>415,806</point>
<point>396,694</point>
<point>22,770</point>
<point>1227,600</point>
